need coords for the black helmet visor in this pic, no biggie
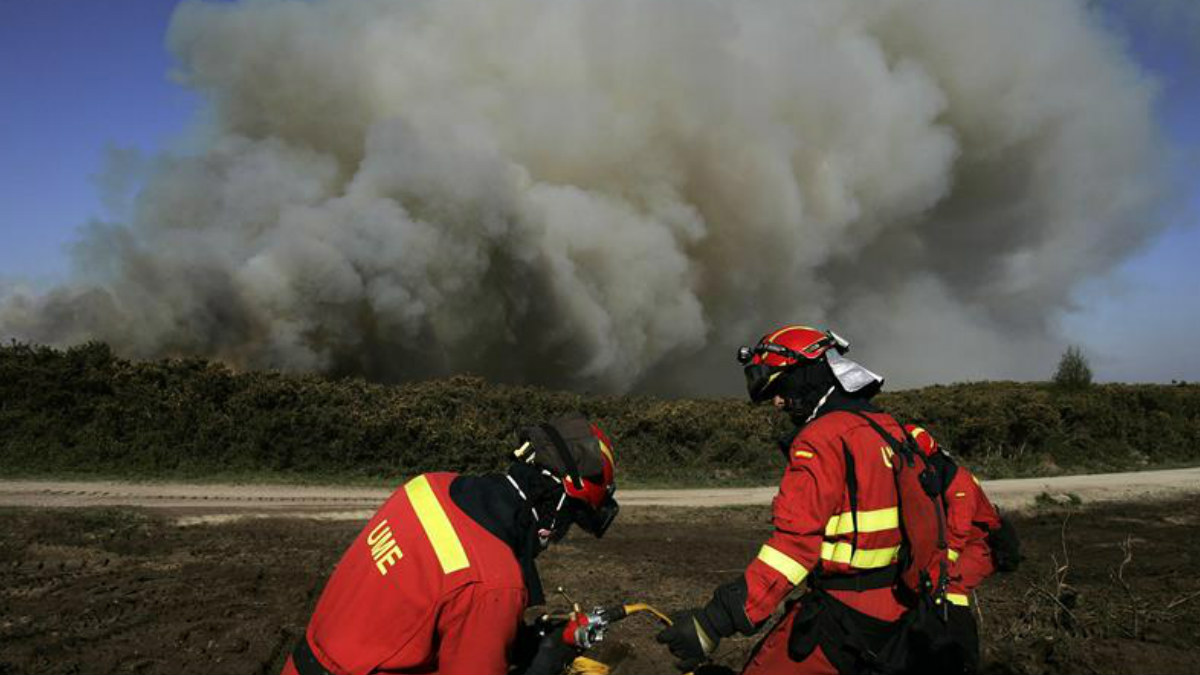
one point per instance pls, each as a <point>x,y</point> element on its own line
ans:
<point>760,379</point>
<point>594,521</point>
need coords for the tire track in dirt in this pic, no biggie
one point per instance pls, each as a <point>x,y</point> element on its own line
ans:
<point>201,503</point>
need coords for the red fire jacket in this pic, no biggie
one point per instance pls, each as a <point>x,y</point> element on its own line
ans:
<point>815,526</point>
<point>969,518</point>
<point>423,588</point>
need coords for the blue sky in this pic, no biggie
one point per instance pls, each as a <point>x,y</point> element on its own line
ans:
<point>78,77</point>
<point>1142,323</point>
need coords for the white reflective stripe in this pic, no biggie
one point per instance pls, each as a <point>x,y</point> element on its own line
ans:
<point>878,520</point>
<point>843,552</point>
<point>953,555</point>
<point>959,599</point>
<point>793,571</point>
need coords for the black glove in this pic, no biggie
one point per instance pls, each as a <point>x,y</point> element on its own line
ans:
<point>689,639</point>
<point>545,651</point>
<point>696,633</point>
<point>1006,547</point>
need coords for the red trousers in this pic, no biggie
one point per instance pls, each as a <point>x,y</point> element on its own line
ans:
<point>770,657</point>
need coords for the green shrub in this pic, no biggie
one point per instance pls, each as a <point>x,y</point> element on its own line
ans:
<point>85,411</point>
<point>1073,370</point>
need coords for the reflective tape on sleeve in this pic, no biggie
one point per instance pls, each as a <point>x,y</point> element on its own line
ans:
<point>437,525</point>
<point>792,570</point>
<point>959,599</point>
<point>953,555</point>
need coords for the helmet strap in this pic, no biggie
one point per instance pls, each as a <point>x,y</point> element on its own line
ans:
<point>521,492</point>
<point>545,534</point>
<point>820,403</point>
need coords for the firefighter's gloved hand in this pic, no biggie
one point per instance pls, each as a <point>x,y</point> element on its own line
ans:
<point>551,655</point>
<point>539,649</point>
<point>689,638</point>
<point>1005,546</point>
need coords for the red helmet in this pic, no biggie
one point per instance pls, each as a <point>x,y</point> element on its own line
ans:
<point>580,455</point>
<point>595,489</point>
<point>781,350</point>
<point>925,441</point>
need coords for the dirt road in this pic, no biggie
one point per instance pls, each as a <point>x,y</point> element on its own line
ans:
<point>222,502</point>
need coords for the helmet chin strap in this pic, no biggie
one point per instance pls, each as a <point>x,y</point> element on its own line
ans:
<point>521,492</point>
<point>544,533</point>
<point>816,408</point>
<point>820,403</point>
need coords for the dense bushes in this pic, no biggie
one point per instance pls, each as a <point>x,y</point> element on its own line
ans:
<point>86,411</point>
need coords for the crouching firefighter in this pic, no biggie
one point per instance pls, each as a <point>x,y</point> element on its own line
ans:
<point>838,526</point>
<point>440,577</point>
<point>979,540</point>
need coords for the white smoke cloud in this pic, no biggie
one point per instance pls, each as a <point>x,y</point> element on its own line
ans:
<point>616,194</point>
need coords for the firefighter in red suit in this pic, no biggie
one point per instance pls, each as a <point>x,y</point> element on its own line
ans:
<point>836,521</point>
<point>970,520</point>
<point>438,580</point>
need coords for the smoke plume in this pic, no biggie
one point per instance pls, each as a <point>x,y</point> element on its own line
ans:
<point>615,195</point>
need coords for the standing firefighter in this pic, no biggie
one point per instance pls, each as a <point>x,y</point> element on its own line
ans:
<point>837,525</point>
<point>438,580</point>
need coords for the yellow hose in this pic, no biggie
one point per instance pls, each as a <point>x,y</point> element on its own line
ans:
<point>582,665</point>
<point>643,607</point>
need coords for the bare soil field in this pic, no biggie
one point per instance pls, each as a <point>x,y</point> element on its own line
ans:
<point>1105,588</point>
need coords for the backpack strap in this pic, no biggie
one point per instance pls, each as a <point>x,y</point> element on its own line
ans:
<point>851,490</point>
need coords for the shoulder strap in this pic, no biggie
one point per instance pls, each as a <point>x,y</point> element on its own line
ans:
<point>851,488</point>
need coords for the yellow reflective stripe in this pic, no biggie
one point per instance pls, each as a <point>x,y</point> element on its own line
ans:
<point>959,599</point>
<point>804,454</point>
<point>787,329</point>
<point>437,526</point>
<point>793,571</point>
<point>843,552</point>
<point>953,555</point>
<point>868,521</point>
<point>607,452</point>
